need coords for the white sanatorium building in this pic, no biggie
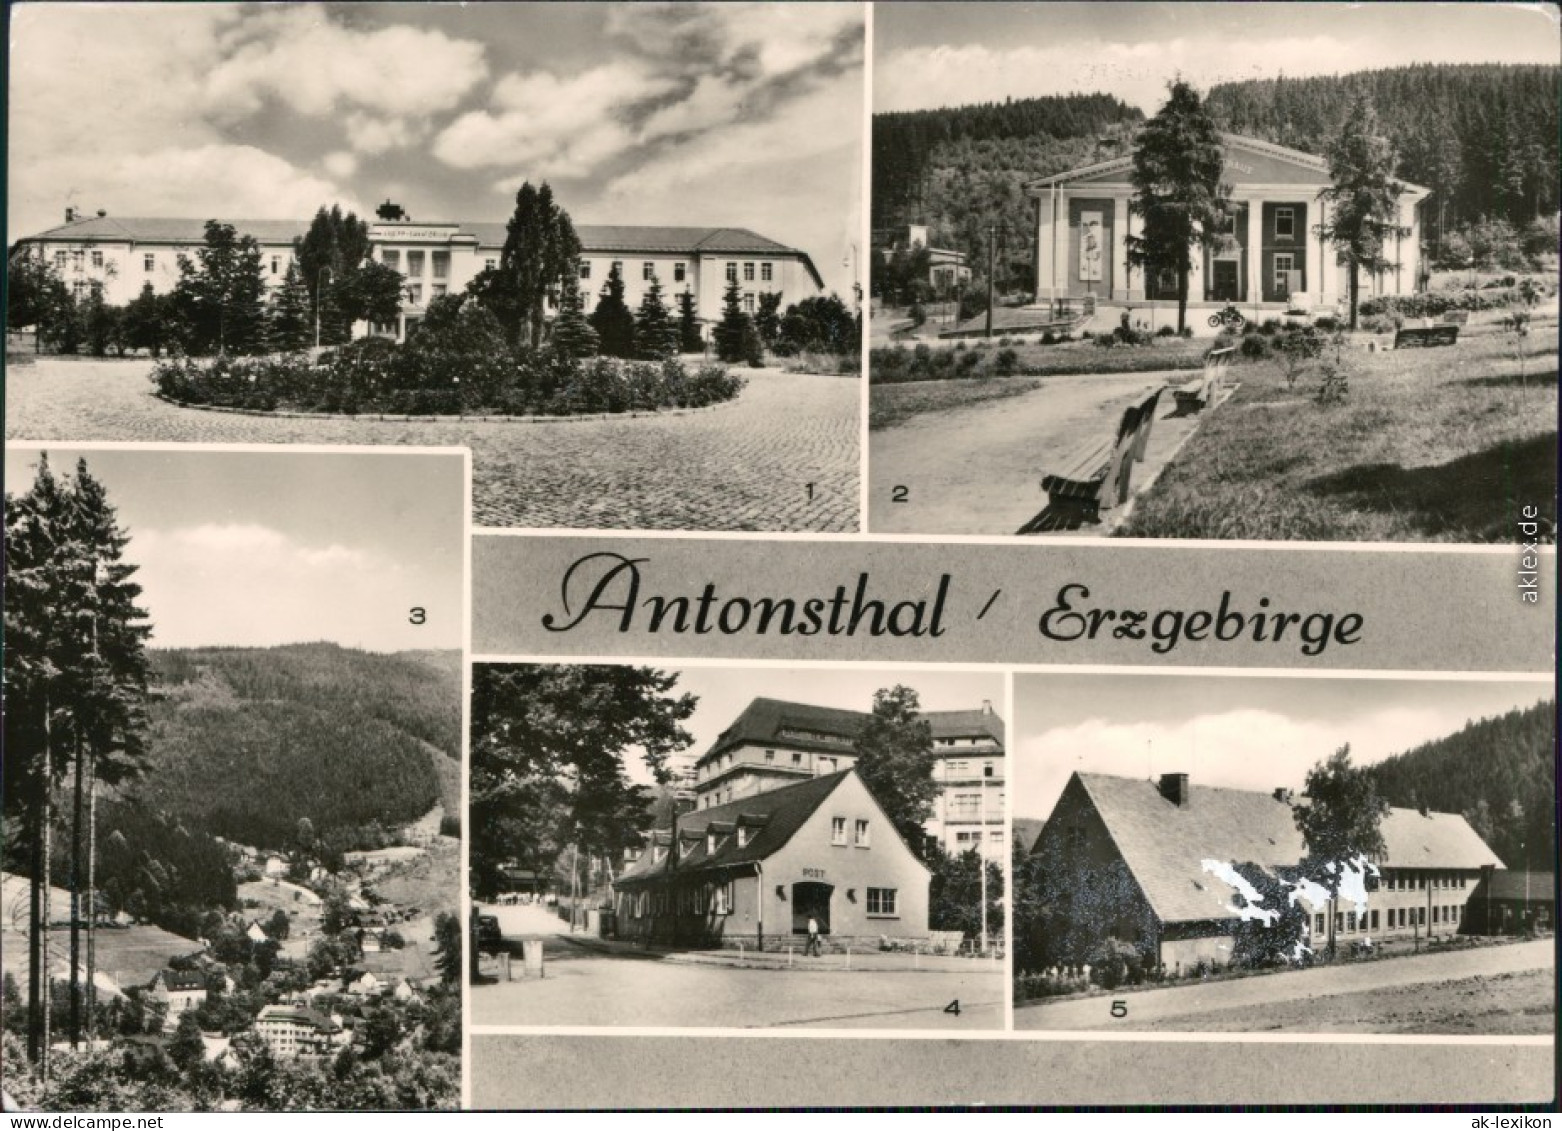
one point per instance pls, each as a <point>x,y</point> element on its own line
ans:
<point>126,253</point>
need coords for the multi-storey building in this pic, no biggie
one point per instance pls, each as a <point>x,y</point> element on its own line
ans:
<point>125,253</point>
<point>292,1030</point>
<point>774,743</point>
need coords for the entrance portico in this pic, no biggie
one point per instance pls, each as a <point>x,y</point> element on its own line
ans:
<point>1268,254</point>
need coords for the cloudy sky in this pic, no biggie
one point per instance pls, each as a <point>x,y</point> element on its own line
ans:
<point>722,114</point>
<point>928,55</point>
<point>1244,733</point>
<point>723,692</point>
<point>249,548</point>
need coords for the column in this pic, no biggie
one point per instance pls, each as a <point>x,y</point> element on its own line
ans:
<point>1044,239</point>
<point>1120,272</point>
<point>1314,262</point>
<point>1060,263</point>
<point>1327,286</point>
<point>1253,248</point>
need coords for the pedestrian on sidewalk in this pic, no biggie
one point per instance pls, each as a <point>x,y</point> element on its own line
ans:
<point>813,938</point>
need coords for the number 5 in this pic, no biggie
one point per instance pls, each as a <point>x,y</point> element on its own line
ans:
<point>1119,1009</point>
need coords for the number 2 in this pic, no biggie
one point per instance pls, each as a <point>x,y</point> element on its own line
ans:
<point>900,495</point>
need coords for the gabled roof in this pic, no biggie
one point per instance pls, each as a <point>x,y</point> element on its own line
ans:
<point>299,1015</point>
<point>764,720</point>
<point>1164,845</point>
<point>142,229</point>
<point>774,816</point>
<point>1507,884</point>
<point>1230,141</point>
<point>182,980</point>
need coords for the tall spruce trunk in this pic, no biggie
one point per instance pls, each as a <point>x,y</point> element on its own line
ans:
<point>77,807</point>
<point>45,844</point>
<point>92,903</point>
<point>1355,276</point>
<point>34,946</point>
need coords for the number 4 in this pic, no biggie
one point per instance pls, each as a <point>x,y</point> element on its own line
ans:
<point>953,1007</point>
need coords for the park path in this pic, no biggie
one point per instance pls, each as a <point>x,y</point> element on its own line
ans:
<point>783,457</point>
<point>1257,992</point>
<point>978,469</point>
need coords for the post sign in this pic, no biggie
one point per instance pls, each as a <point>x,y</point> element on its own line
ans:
<point>411,233</point>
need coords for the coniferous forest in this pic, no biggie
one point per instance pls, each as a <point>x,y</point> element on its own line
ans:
<point>1483,137</point>
<point>1499,773</point>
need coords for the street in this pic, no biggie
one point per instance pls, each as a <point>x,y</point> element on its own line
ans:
<point>593,989</point>
<point>1148,1008</point>
<point>782,457</point>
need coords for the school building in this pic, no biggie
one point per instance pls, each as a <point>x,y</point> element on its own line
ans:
<point>1268,254</point>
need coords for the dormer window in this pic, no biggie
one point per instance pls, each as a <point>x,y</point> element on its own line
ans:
<point>710,843</point>
<point>743,835</point>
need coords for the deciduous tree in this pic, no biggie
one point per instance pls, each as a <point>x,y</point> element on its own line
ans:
<point>540,248</point>
<point>895,760</point>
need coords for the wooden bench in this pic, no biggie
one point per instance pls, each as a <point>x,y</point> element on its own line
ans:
<point>1424,337</point>
<point>1206,390</point>
<point>1097,477</point>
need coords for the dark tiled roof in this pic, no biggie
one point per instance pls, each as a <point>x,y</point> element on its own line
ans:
<point>300,1015</point>
<point>773,816</point>
<point>1165,845</point>
<point>183,980</point>
<point>1510,884</point>
<point>965,724</point>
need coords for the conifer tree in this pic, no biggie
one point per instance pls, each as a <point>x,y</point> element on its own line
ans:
<point>656,334</point>
<point>690,340</point>
<point>612,319</point>
<point>732,331</point>
<point>767,320</point>
<point>1363,199</point>
<point>1176,175</point>
<point>291,322</point>
<point>573,335</point>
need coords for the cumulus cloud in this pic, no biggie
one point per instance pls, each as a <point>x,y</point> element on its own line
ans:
<point>340,164</point>
<point>565,124</point>
<point>688,71</point>
<point>245,583</point>
<point>300,58</point>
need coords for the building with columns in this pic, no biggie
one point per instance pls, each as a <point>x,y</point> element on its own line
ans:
<point>123,254</point>
<point>1269,256</point>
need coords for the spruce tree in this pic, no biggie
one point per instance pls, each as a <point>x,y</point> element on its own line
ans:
<point>656,334</point>
<point>572,333</point>
<point>1176,175</point>
<point>732,331</point>
<point>690,340</point>
<point>1363,198</point>
<point>292,324</point>
<point>612,319</point>
<point>768,318</point>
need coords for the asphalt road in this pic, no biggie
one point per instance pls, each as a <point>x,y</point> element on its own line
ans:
<point>1257,992</point>
<point>613,990</point>
<point>784,456</point>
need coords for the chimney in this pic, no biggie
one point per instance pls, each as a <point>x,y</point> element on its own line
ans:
<point>987,706</point>
<point>1283,795</point>
<point>102,212</point>
<point>70,215</point>
<point>1174,787</point>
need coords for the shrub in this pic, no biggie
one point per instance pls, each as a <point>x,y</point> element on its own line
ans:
<point>1254,347</point>
<point>1048,338</point>
<point>1166,332</point>
<point>1187,332</point>
<point>1006,363</point>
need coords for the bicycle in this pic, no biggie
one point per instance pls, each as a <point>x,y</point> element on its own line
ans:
<point>1231,318</point>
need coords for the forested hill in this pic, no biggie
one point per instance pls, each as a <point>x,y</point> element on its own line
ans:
<point>926,162</point>
<point>1499,772</point>
<point>1484,136</point>
<point>245,741</point>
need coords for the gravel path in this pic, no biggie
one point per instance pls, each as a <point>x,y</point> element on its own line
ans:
<point>978,470</point>
<point>747,465</point>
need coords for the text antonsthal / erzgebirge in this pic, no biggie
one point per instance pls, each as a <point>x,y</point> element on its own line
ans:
<point>608,585</point>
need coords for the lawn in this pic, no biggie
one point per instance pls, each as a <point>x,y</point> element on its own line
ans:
<point>889,405</point>
<point>1443,445</point>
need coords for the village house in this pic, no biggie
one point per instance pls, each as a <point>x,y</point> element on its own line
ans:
<point>1512,902</point>
<point>757,869</point>
<point>1268,255</point>
<point>775,743</point>
<point>124,253</point>
<point>179,990</point>
<point>1131,860</point>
